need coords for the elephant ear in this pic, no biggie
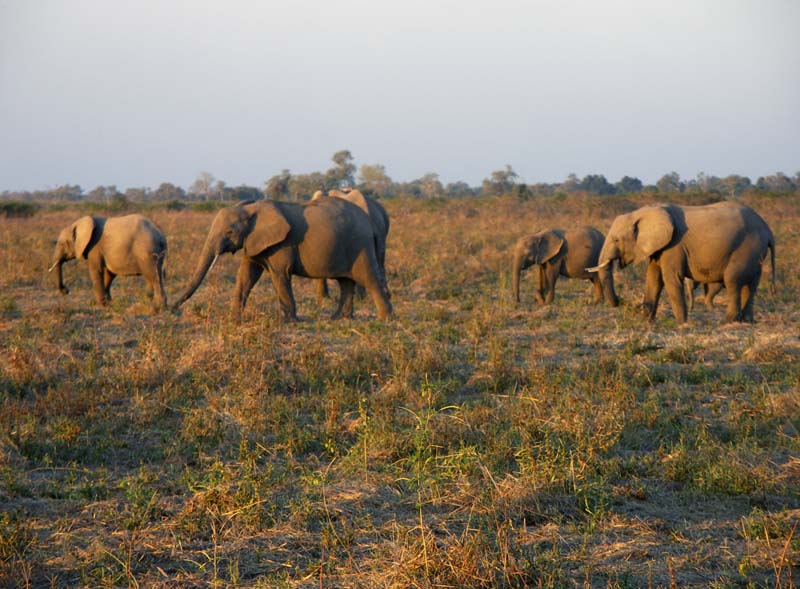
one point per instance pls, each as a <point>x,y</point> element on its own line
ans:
<point>653,229</point>
<point>354,196</point>
<point>82,231</point>
<point>358,199</point>
<point>269,227</point>
<point>549,245</point>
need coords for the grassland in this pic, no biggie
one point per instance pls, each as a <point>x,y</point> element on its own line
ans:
<point>468,442</point>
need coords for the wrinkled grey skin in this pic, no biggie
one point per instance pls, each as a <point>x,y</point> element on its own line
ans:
<point>724,243</point>
<point>326,238</point>
<point>120,246</point>
<point>380,225</point>
<point>563,253</point>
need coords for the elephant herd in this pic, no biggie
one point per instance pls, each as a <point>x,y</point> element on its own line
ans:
<point>342,236</point>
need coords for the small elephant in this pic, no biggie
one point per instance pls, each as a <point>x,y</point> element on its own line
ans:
<point>325,238</point>
<point>563,253</point>
<point>722,243</point>
<point>710,290</point>
<point>120,246</point>
<point>380,225</point>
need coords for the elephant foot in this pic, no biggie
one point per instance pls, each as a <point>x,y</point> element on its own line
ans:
<point>63,290</point>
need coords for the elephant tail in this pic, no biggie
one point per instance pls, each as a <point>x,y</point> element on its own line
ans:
<point>772,267</point>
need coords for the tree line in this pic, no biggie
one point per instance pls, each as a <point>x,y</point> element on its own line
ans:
<point>373,179</point>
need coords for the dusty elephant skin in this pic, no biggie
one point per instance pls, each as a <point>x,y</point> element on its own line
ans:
<point>563,253</point>
<point>326,238</point>
<point>379,219</point>
<point>119,246</point>
<point>720,244</point>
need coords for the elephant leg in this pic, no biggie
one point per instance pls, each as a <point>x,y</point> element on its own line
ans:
<point>322,289</point>
<point>711,290</point>
<point>248,274</point>
<point>690,286</point>
<point>98,277</point>
<point>542,284</point>
<point>551,273</point>
<point>674,286</point>
<point>345,308</point>
<point>282,281</point>
<point>748,299</point>
<point>108,278</point>
<point>734,310</point>
<point>162,293</point>
<point>654,282</point>
<point>361,292</point>
<point>155,286</point>
<point>365,272</point>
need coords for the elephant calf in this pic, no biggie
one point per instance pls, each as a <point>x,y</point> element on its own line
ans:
<point>563,253</point>
<point>126,246</point>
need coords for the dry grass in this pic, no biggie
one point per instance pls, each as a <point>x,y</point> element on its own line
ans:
<point>466,443</point>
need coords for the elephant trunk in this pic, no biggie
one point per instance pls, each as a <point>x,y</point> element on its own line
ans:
<point>606,276</point>
<point>608,254</point>
<point>208,258</point>
<point>58,262</point>
<point>516,271</point>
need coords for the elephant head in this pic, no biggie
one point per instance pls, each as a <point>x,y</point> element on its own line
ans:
<point>636,236</point>
<point>536,249</point>
<point>73,242</point>
<point>251,226</point>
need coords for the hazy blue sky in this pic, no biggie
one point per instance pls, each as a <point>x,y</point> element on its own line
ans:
<point>139,92</point>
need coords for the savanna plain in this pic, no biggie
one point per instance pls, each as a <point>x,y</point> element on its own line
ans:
<point>467,442</point>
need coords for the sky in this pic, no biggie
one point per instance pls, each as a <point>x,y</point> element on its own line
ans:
<point>135,93</point>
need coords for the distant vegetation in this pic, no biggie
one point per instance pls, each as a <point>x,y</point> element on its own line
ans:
<point>373,179</point>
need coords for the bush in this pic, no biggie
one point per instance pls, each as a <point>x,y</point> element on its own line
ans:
<point>19,209</point>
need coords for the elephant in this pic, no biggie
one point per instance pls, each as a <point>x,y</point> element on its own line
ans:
<point>724,242</point>
<point>325,238</point>
<point>563,253</point>
<point>119,246</point>
<point>380,226</point>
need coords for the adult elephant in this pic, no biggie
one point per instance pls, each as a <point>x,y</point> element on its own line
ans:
<point>379,219</point>
<point>563,253</point>
<point>720,243</point>
<point>120,246</point>
<point>326,238</point>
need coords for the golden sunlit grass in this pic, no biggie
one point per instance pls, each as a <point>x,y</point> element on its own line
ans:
<point>468,442</point>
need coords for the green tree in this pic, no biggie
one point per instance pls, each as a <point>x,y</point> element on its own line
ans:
<point>734,185</point>
<point>168,191</point>
<point>499,181</point>
<point>342,175</point>
<point>596,184</point>
<point>628,185</point>
<point>137,194</point>
<point>374,179</point>
<point>670,183</point>
<point>277,187</point>
<point>431,186</point>
<point>571,184</point>
<point>459,190</point>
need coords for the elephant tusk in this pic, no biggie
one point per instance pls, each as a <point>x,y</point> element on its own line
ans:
<point>214,261</point>
<point>598,267</point>
<point>53,267</point>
